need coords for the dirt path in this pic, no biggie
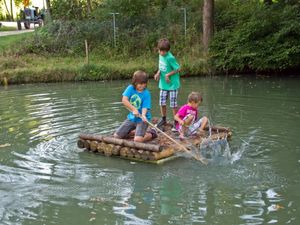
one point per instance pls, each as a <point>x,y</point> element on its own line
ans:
<point>14,32</point>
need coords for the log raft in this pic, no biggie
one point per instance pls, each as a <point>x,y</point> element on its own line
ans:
<point>156,151</point>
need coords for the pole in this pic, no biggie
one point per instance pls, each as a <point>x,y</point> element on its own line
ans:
<point>184,20</point>
<point>86,52</point>
<point>114,27</point>
<point>197,157</point>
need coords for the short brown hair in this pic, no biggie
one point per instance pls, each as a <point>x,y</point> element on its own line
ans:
<point>139,77</point>
<point>195,97</point>
<point>163,44</point>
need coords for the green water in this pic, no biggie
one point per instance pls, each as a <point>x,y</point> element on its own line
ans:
<point>46,179</point>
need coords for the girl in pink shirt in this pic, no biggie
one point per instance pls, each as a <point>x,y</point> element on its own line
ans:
<point>187,116</point>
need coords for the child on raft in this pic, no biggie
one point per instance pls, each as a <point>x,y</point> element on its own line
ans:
<point>186,117</point>
<point>137,99</point>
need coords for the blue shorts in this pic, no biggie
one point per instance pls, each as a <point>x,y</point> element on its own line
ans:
<point>163,97</point>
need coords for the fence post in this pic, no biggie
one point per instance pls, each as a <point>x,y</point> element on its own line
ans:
<point>114,27</point>
<point>87,52</point>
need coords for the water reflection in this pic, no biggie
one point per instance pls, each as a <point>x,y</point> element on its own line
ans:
<point>45,178</point>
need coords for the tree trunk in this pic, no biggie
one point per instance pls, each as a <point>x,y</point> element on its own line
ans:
<point>48,5</point>
<point>208,22</point>
<point>7,11</point>
<point>89,7</point>
<point>11,10</point>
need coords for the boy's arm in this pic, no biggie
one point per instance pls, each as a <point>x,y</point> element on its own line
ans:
<point>172,73</point>
<point>157,75</point>
<point>144,112</point>
<point>130,107</point>
<point>180,121</point>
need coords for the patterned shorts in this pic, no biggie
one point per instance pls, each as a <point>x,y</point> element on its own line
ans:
<point>164,94</point>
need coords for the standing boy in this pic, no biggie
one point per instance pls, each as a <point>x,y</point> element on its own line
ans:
<point>169,79</point>
<point>137,99</point>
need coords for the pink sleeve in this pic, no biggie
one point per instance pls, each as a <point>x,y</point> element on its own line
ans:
<point>182,111</point>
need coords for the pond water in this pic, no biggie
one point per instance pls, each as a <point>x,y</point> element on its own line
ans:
<point>46,179</point>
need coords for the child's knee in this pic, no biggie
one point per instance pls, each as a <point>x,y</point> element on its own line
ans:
<point>204,120</point>
<point>138,139</point>
<point>189,119</point>
<point>116,136</point>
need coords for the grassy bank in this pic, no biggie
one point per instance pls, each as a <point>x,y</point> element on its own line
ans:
<point>32,68</point>
<point>4,28</point>
<point>19,68</point>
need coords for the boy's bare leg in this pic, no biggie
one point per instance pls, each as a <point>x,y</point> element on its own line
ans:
<point>204,123</point>
<point>147,137</point>
<point>175,110</point>
<point>163,110</point>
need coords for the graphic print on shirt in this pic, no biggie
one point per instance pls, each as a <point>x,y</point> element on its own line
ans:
<point>162,66</point>
<point>191,112</point>
<point>136,101</point>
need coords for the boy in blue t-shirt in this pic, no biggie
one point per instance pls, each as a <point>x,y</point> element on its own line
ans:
<point>169,79</point>
<point>137,99</point>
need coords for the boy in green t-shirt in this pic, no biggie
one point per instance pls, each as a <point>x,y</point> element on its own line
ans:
<point>169,79</point>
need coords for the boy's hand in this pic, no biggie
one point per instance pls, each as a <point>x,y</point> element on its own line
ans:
<point>135,112</point>
<point>143,117</point>
<point>167,78</point>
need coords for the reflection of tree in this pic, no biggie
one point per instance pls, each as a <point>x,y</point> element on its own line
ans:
<point>170,195</point>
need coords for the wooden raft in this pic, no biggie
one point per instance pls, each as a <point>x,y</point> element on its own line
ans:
<point>156,151</point>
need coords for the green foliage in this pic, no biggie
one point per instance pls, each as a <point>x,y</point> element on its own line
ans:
<point>139,25</point>
<point>269,40</point>
<point>249,35</point>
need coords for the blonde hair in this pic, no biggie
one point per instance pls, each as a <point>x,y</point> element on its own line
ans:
<point>195,97</point>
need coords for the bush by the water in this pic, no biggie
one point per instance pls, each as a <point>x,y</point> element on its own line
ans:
<point>254,37</point>
<point>249,36</point>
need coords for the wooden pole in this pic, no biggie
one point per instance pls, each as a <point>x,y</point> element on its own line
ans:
<point>87,51</point>
<point>197,157</point>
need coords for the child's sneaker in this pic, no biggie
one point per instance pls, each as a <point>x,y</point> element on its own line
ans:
<point>153,132</point>
<point>161,123</point>
<point>174,130</point>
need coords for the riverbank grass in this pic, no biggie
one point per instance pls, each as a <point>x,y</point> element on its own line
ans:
<point>17,66</point>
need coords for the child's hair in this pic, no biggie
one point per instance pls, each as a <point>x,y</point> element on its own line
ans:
<point>195,97</point>
<point>139,77</point>
<point>163,44</point>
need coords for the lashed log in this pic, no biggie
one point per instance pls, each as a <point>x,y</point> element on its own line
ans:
<point>122,142</point>
<point>93,146</point>
<point>218,129</point>
<point>116,150</point>
<point>101,146</point>
<point>87,144</point>
<point>163,154</point>
<point>137,154</point>
<point>145,155</point>
<point>124,151</point>
<point>108,149</point>
<point>80,143</point>
<point>130,153</point>
<point>218,136</point>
